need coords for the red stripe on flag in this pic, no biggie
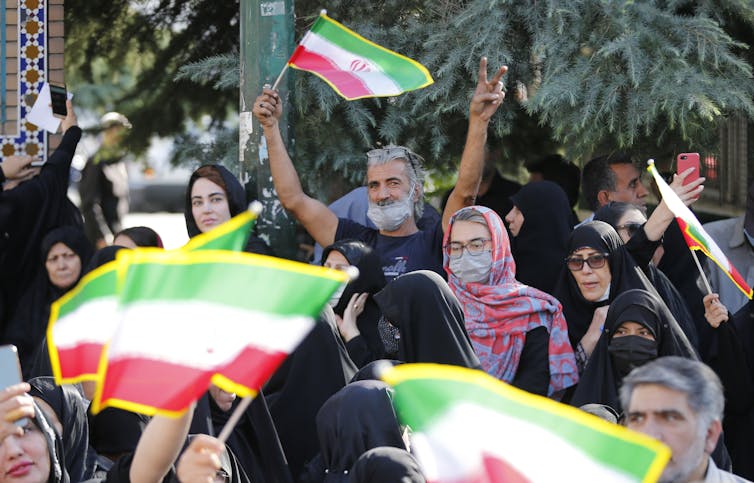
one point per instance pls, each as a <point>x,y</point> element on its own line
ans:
<point>346,83</point>
<point>81,359</point>
<point>494,470</point>
<point>172,387</point>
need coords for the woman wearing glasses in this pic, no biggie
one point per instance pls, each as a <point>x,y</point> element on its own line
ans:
<point>628,221</point>
<point>598,269</point>
<point>517,331</point>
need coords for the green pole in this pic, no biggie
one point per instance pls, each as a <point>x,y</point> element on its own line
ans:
<point>267,41</point>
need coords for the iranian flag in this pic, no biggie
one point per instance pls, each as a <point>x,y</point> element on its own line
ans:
<point>693,232</point>
<point>354,66</point>
<point>84,319</point>
<point>191,318</point>
<point>469,427</point>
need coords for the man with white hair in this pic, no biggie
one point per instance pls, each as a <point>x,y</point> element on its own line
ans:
<point>680,402</point>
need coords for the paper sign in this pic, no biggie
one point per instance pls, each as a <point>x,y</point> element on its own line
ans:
<point>41,112</point>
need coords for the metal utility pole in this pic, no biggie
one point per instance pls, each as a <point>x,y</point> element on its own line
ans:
<point>267,41</point>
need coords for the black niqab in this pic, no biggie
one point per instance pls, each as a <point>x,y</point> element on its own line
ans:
<point>540,247</point>
<point>430,319</point>
<point>600,381</point>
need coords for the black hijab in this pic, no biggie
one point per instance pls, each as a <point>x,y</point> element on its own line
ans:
<point>386,463</point>
<point>26,328</point>
<point>356,419</point>
<point>316,370</point>
<point>254,441</point>
<point>70,409</point>
<point>430,319</point>
<point>58,473</point>
<point>625,275</point>
<point>236,196</point>
<point>371,280</point>
<point>601,379</point>
<point>540,247</point>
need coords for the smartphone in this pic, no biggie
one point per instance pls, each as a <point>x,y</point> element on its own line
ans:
<point>58,96</point>
<point>10,371</point>
<point>686,161</point>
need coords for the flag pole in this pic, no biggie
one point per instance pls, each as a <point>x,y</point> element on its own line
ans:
<point>233,420</point>
<point>701,272</point>
<point>280,77</point>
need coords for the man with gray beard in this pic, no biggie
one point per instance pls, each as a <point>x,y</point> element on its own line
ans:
<point>680,402</point>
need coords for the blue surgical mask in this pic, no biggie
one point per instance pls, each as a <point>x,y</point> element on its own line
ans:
<point>472,268</point>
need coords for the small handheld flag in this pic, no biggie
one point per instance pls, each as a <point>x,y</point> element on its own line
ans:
<point>354,66</point>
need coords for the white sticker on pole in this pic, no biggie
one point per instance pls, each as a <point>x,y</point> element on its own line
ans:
<point>269,9</point>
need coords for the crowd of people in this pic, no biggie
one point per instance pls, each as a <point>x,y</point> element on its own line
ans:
<point>606,315</point>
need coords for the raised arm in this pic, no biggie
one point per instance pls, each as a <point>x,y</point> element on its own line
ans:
<point>319,221</point>
<point>487,97</point>
<point>159,446</point>
<point>661,217</point>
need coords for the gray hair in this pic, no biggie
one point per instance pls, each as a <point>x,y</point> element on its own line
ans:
<point>696,380</point>
<point>469,214</point>
<point>414,169</point>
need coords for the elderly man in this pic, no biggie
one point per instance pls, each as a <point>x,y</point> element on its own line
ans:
<point>680,402</point>
<point>394,182</point>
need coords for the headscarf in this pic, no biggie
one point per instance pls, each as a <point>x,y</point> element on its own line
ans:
<point>55,450</point>
<point>115,431</point>
<point>430,320</point>
<point>499,313</point>
<point>26,328</point>
<point>540,247</point>
<point>236,196</point>
<point>386,463</point>
<point>371,280</point>
<point>70,409</point>
<point>253,442</point>
<point>601,380</point>
<point>357,418</point>
<point>624,272</point>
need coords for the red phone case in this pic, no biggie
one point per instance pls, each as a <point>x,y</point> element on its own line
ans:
<point>686,161</point>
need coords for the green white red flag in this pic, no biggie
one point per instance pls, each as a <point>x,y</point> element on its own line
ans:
<point>188,318</point>
<point>354,66</point>
<point>694,234</point>
<point>84,319</point>
<point>469,427</point>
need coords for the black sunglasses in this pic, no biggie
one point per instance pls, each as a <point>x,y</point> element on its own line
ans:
<point>631,228</point>
<point>597,260</point>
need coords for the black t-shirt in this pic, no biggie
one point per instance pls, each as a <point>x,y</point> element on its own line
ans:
<point>399,254</point>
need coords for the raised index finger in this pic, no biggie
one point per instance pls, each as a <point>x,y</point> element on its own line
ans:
<point>482,70</point>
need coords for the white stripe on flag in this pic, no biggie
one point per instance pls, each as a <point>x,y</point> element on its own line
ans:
<point>95,321</point>
<point>200,334</point>
<point>373,77</point>
<point>447,455</point>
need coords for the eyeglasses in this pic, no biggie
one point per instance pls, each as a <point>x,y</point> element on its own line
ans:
<point>631,228</point>
<point>473,247</point>
<point>597,260</point>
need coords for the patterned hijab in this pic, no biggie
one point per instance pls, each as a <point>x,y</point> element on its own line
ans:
<point>500,312</point>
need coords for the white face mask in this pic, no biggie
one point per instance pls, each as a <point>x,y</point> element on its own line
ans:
<point>392,214</point>
<point>335,298</point>
<point>472,269</point>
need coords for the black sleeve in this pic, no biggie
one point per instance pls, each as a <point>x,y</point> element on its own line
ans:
<point>533,374</point>
<point>731,366</point>
<point>359,351</point>
<point>642,248</point>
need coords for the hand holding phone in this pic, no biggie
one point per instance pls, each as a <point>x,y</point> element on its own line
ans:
<point>686,161</point>
<point>13,409</point>
<point>58,97</point>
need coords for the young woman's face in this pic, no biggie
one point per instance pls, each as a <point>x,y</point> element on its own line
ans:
<point>336,260</point>
<point>25,459</point>
<point>209,204</point>
<point>633,328</point>
<point>63,266</point>
<point>592,282</point>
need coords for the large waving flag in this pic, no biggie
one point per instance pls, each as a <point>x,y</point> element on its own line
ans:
<point>354,66</point>
<point>84,319</point>
<point>472,428</point>
<point>695,235</point>
<point>188,318</point>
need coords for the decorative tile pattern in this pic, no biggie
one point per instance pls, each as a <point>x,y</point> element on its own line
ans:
<point>32,73</point>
